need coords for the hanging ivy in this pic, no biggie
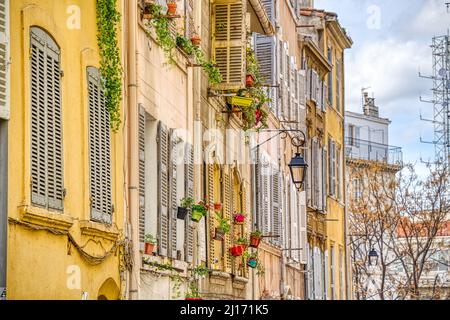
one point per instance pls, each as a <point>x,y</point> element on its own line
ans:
<point>108,19</point>
<point>168,43</point>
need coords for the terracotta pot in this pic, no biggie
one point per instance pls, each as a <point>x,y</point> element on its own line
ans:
<point>196,216</point>
<point>249,80</point>
<point>252,263</point>
<point>237,251</point>
<point>254,241</point>
<point>239,219</point>
<point>217,206</point>
<point>149,247</point>
<point>219,234</point>
<point>171,8</point>
<point>195,40</point>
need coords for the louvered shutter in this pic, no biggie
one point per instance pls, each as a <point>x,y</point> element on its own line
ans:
<point>229,42</point>
<point>303,228</point>
<point>189,189</point>
<point>227,213</point>
<point>265,192</point>
<point>276,207</point>
<point>320,177</point>
<point>326,292</point>
<point>174,140</point>
<point>308,179</point>
<point>270,9</point>
<point>163,189</point>
<point>265,55</point>
<point>308,84</point>
<point>324,96</point>
<point>4,59</point>
<point>142,119</point>
<point>99,150</point>
<point>338,172</point>
<point>296,223</point>
<point>259,196</point>
<point>211,217</point>
<point>324,180</point>
<point>302,89</point>
<point>338,85</point>
<point>189,18</point>
<point>46,128</point>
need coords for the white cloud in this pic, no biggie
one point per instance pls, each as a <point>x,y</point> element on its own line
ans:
<point>433,19</point>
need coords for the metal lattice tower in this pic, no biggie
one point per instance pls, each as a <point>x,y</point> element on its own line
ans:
<point>441,94</point>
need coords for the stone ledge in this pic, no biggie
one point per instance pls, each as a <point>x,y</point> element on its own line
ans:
<point>44,218</point>
<point>96,229</point>
<point>219,277</point>
<point>239,282</point>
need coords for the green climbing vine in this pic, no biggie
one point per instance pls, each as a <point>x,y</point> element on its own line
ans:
<point>168,43</point>
<point>108,19</point>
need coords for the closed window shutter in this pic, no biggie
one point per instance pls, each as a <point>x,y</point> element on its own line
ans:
<point>326,292</point>
<point>320,177</point>
<point>316,182</point>
<point>229,42</point>
<point>302,87</point>
<point>212,219</point>
<point>338,172</point>
<point>4,59</point>
<point>265,191</point>
<point>99,150</point>
<point>325,179</point>
<point>308,83</point>
<point>338,85</point>
<point>270,9</point>
<point>276,208</point>
<point>247,226</point>
<point>324,96</point>
<point>189,189</point>
<point>142,119</point>
<point>189,20</point>
<point>46,128</point>
<point>227,213</point>
<point>163,189</point>
<point>174,140</point>
<point>259,197</point>
<point>308,179</point>
<point>265,55</point>
<point>303,229</point>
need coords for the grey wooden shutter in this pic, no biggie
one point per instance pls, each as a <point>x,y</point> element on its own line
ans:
<point>46,127</point>
<point>99,150</point>
<point>189,27</point>
<point>142,120</point>
<point>265,191</point>
<point>303,229</point>
<point>174,140</point>
<point>163,189</point>
<point>270,10</point>
<point>276,207</point>
<point>338,85</point>
<point>325,179</point>
<point>265,55</point>
<point>4,59</point>
<point>189,192</point>
<point>258,183</point>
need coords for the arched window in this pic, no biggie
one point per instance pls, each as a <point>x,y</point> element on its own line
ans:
<point>99,149</point>
<point>46,128</point>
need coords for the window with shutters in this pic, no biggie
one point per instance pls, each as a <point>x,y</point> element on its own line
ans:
<point>276,207</point>
<point>189,26</point>
<point>332,272</point>
<point>46,127</point>
<point>4,59</point>
<point>338,86</point>
<point>332,167</point>
<point>163,189</point>
<point>338,172</point>
<point>99,150</point>
<point>229,42</point>
<point>330,77</point>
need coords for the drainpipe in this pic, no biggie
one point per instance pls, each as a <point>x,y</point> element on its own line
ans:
<point>133,148</point>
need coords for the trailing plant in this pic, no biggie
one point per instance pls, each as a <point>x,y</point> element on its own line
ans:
<point>242,240</point>
<point>200,207</point>
<point>168,43</point>
<point>224,223</point>
<point>200,271</point>
<point>256,234</point>
<point>193,291</point>
<point>108,20</point>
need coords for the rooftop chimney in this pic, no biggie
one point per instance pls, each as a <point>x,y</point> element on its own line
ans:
<point>370,109</point>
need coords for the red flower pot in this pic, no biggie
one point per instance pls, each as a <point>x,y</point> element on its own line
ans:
<point>237,251</point>
<point>258,115</point>
<point>254,241</point>
<point>149,247</point>
<point>171,8</point>
<point>217,206</point>
<point>239,219</point>
<point>195,40</point>
<point>249,80</point>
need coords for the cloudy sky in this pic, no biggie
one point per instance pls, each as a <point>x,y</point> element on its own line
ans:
<point>391,44</point>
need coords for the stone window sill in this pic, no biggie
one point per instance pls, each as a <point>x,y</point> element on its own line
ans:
<point>96,229</point>
<point>45,218</point>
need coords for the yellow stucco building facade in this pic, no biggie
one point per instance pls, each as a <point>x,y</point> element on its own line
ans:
<point>65,166</point>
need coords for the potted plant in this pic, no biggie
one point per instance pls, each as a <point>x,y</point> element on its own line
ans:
<point>243,242</point>
<point>199,211</point>
<point>193,293</point>
<point>252,260</point>
<point>237,250</point>
<point>249,80</point>
<point>186,203</point>
<point>217,206</point>
<point>148,8</point>
<point>195,39</point>
<point>150,242</point>
<point>224,227</point>
<point>239,218</point>
<point>171,7</point>
<point>255,238</point>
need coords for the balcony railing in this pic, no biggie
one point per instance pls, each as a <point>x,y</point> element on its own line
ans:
<point>371,151</point>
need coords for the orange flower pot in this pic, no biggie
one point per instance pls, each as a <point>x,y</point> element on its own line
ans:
<point>249,80</point>
<point>171,9</point>
<point>195,40</point>
<point>149,247</point>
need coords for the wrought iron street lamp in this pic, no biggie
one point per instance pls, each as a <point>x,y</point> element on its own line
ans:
<point>298,165</point>
<point>373,257</point>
